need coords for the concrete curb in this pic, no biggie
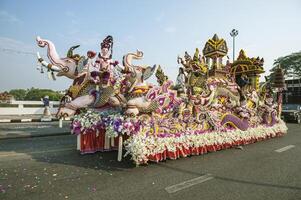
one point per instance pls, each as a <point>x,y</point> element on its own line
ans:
<point>35,135</point>
<point>31,120</point>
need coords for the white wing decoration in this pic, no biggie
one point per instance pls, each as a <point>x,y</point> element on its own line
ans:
<point>148,72</point>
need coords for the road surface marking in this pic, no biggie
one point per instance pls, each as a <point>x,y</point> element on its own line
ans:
<point>188,183</point>
<point>285,148</point>
<point>25,120</point>
<point>46,120</point>
<point>7,154</point>
<point>4,120</point>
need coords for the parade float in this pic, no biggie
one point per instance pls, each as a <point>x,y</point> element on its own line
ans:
<point>213,105</point>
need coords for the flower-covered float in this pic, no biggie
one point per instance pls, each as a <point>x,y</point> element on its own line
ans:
<point>211,106</point>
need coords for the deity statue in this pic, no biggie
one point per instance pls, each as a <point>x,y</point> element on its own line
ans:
<point>180,82</point>
<point>196,72</point>
<point>104,62</point>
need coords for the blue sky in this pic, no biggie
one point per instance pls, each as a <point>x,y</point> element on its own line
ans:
<point>162,29</point>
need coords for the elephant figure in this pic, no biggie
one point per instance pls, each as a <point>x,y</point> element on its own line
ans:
<point>63,66</point>
<point>132,93</point>
<point>73,65</point>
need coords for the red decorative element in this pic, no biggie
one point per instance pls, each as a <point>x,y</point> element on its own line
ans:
<point>184,151</point>
<point>92,142</point>
<point>91,54</point>
<point>115,63</point>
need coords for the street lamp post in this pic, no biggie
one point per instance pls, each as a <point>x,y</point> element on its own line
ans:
<point>233,34</point>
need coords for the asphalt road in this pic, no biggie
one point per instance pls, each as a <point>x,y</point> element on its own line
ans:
<point>33,129</point>
<point>50,168</point>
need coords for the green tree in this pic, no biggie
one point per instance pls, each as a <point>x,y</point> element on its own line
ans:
<point>291,64</point>
<point>35,94</point>
<point>19,94</point>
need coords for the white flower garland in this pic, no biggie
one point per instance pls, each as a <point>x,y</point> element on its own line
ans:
<point>87,119</point>
<point>113,122</point>
<point>140,146</point>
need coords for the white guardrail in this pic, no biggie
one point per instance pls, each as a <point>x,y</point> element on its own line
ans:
<point>22,108</point>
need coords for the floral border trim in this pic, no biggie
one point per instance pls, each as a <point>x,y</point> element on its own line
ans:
<point>143,149</point>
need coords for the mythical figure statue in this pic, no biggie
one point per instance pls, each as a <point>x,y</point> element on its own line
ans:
<point>132,93</point>
<point>196,71</point>
<point>161,77</point>
<point>180,82</point>
<point>202,112</point>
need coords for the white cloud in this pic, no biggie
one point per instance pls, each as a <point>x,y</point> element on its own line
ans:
<point>10,43</point>
<point>170,29</point>
<point>7,17</point>
<point>84,39</point>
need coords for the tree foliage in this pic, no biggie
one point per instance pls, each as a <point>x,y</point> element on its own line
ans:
<point>291,64</point>
<point>19,94</point>
<point>35,94</point>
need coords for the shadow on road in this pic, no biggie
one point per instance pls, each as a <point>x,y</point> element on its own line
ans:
<point>101,160</point>
<point>60,150</point>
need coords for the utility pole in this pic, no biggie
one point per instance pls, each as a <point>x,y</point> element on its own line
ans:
<point>233,34</point>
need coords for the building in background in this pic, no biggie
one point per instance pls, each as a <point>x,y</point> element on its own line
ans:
<point>292,94</point>
<point>5,97</point>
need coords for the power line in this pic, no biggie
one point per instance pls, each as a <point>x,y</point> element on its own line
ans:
<point>7,50</point>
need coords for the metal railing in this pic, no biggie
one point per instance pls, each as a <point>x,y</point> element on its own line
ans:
<point>28,108</point>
